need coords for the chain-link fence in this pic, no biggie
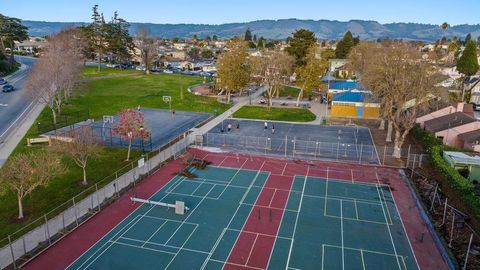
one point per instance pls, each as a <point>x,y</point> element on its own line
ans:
<point>63,120</point>
<point>38,235</point>
<point>294,148</point>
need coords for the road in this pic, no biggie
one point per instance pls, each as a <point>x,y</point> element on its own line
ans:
<point>14,105</point>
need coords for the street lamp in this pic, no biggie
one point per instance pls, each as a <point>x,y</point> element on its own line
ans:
<point>141,138</point>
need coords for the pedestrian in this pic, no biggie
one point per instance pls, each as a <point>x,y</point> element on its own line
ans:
<point>266,125</point>
<point>238,125</point>
<point>273,128</point>
<point>173,113</point>
<point>229,127</point>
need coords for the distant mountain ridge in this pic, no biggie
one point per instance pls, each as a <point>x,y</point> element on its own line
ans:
<point>281,29</point>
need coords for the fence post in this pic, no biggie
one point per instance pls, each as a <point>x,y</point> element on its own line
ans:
<point>361,151</point>
<point>384,152</point>
<point>444,212</point>
<point>451,230</point>
<point>286,143</point>
<point>408,154</point>
<point>316,149</point>
<point>338,147</point>
<point>75,211</point>
<point>47,232</point>
<point>468,251</point>
<point>293,151</point>
<point>413,165</point>
<point>434,196</point>
<point>98,200</point>
<point>420,160</point>
<point>11,251</point>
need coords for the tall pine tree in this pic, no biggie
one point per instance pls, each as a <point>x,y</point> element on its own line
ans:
<point>248,35</point>
<point>344,46</point>
<point>299,43</point>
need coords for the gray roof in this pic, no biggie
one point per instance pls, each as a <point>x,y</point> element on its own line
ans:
<point>471,136</point>
<point>448,121</point>
<point>463,158</point>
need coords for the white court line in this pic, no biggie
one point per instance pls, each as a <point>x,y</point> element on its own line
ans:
<point>220,164</point>
<point>283,172</point>
<point>231,219</point>
<point>140,247</point>
<point>159,228</point>
<point>341,229</point>
<point>251,250</point>
<point>163,245</point>
<point>271,199</point>
<point>262,234</point>
<point>349,199</point>
<point>188,238</point>
<point>281,221</point>
<point>241,202</point>
<point>296,219</point>
<point>404,230</point>
<point>172,182</point>
<point>271,207</point>
<point>389,232</point>
<point>236,264</point>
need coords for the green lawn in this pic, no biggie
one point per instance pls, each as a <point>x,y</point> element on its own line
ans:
<point>286,91</point>
<point>276,114</point>
<point>91,71</point>
<point>101,97</point>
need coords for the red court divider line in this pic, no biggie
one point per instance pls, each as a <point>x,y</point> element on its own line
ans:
<point>72,246</point>
<point>265,222</point>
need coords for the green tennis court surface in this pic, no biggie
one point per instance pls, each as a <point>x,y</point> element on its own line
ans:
<point>324,224</point>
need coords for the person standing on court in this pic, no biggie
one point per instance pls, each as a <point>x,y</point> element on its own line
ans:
<point>266,125</point>
<point>273,128</point>
<point>229,127</point>
<point>173,113</point>
<point>238,125</point>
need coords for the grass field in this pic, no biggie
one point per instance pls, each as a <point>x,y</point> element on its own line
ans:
<point>101,97</point>
<point>276,114</point>
<point>286,91</point>
<point>91,71</point>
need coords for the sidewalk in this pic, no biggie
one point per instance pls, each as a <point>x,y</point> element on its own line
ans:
<point>22,125</point>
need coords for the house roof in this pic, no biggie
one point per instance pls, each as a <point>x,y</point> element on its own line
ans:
<point>471,136</point>
<point>354,96</point>
<point>463,158</point>
<point>448,121</point>
<point>345,85</point>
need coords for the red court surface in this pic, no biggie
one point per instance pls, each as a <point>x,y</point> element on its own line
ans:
<point>254,245</point>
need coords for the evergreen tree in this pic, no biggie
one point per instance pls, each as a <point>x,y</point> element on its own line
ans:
<point>356,40</point>
<point>255,38</point>
<point>299,43</point>
<point>261,43</point>
<point>214,38</point>
<point>11,30</point>
<point>468,38</point>
<point>208,39</point>
<point>467,64</point>
<point>248,35</point>
<point>119,41</point>
<point>344,46</point>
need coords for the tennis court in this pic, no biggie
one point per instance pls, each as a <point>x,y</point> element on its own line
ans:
<point>255,213</point>
<point>305,141</point>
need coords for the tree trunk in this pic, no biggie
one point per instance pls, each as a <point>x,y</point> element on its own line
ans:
<point>300,96</point>
<point>84,182</point>
<point>389,131</point>
<point>399,140</point>
<point>129,147</point>
<point>382,124</point>
<point>228,96</point>
<point>54,115</point>
<point>20,207</point>
<point>99,62</point>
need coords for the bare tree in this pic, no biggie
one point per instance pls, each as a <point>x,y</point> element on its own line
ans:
<point>56,73</point>
<point>80,149</point>
<point>403,82</point>
<point>271,69</point>
<point>147,46</point>
<point>25,172</point>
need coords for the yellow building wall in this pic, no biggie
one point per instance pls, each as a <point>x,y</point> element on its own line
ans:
<point>351,111</point>
<point>371,112</point>
<point>346,111</point>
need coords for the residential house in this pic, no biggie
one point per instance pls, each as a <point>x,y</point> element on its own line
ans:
<point>31,46</point>
<point>464,161</point>
<point>471,140</point>
<point>180,46</point>
<point>355,103</point>
<point>460,107</point>
<point>450,126</point>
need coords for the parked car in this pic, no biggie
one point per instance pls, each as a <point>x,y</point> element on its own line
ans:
<point>2,81</point>
<point>7,88</point>
<point>168,71</point>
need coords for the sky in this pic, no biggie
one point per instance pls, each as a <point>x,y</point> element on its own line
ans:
<point>225,11</point>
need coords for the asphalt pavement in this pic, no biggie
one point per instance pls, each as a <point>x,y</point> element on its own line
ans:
<point>14,105</point>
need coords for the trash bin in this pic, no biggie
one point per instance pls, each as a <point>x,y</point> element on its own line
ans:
<point>324,120</point>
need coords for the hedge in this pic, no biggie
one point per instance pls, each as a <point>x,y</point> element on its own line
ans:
<point>463,187</point>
